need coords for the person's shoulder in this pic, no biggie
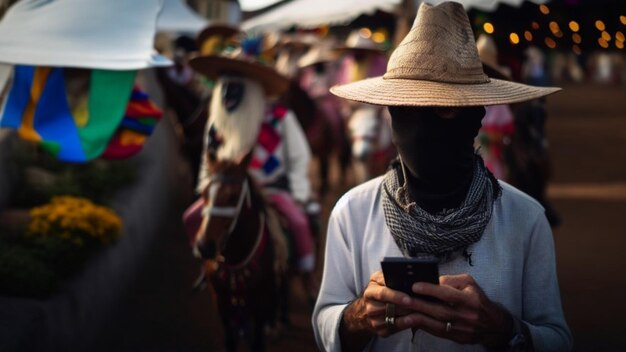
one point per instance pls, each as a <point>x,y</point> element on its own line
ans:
<point>518,200</point>
<point>360,196</point>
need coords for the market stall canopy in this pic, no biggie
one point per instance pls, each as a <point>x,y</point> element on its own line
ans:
<point>176,16</point>
<point>487,5</point>
<point>313,13</point>
<point>112,34</point>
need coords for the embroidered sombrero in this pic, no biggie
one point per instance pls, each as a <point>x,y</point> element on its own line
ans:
<point>437,64</point>
<point>249,60</point>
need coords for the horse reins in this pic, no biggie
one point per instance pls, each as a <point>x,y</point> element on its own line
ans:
<point>229,212</point>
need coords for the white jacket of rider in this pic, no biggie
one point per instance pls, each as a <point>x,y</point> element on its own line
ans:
<point>281,150</point>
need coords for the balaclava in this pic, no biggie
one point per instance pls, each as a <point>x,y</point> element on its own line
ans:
<point>436,146</point>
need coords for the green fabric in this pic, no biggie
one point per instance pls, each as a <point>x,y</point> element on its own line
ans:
<point>109,94</point>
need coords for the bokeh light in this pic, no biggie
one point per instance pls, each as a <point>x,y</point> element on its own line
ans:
<point>576,38</point>
<point>573,25</point>
<point>622,19</point>
<point>378,37</point>
<point>619,45</point>
<point>544,9</point>
<point>603,43</point>
<point>550,43</point>
<point>619,36</point>
<point>514,38</point>
<point>528,36</point>
<point>606,36</point>
<point>535,25</point>
<point>488,27</point>
<point>576,49</point>
<point>600,25</point>
<point>365,32</point>
<point>554,27</point>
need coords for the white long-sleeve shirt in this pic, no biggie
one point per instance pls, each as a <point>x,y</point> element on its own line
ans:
<point>514,263</point>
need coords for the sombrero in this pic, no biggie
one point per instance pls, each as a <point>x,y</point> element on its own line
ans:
<point>437,64</point>
<point>222,31</point>
<point>248,61</point>
<point>319,53</point>
<point>356,41</point>
<point>488,54</point>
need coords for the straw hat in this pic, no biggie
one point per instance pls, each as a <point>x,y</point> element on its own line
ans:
<point>357,42</point>
<point>320,53</point>
<point>248,60</point>
<point>488,53</point>
<point>437,64</point>
<point>213,39</point>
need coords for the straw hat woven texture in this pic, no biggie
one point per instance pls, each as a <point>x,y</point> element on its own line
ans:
<point>437,64</point>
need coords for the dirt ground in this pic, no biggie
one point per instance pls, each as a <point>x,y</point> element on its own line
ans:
<point>587,132</point>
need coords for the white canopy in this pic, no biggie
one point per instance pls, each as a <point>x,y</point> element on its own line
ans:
<point>111,34</point>
<point>177,16</point>
<point>487,5</point>
<point>313,13</point>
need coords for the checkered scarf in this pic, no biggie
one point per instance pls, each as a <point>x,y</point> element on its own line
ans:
<point>416,231</point>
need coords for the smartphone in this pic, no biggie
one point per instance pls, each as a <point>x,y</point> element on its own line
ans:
<point>401,273</point>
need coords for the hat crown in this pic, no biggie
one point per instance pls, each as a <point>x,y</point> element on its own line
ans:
<point>440,47</point>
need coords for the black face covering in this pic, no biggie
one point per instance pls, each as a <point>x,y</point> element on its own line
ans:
<point>437,148</point>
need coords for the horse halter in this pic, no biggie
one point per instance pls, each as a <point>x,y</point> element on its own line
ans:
<point>227,211</point>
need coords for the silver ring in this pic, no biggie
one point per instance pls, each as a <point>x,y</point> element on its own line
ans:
<point>390,314</point>
<point>390,321</point>
<point>448,326</point>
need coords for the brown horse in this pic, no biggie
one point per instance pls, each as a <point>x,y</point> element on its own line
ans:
<point>235,235</point>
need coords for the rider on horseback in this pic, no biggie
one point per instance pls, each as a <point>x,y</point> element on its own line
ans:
<point>242,117</point>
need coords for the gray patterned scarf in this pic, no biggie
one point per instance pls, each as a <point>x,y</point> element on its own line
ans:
<point>417,232</point>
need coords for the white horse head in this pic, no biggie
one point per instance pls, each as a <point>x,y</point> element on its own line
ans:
<point>370,132</point>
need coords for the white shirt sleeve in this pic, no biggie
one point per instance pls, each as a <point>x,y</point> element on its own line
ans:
<point>338,286</point>
<point>297,158</point>
<point>542,310</point>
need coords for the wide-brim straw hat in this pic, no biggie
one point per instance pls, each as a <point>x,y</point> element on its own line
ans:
<point>488,54</point>
<point>357,42</point>
<point>320,53</point>
<point>237,62</point>
<point>437,64</point>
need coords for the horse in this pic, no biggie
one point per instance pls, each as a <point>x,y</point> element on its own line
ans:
<point>237,235</point>
<point>372,148</point>
<point>323,129</point>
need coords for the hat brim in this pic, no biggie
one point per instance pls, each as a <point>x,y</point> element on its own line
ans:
<point>222,30</point>
<point>212,66</point>
<point>409,92</point>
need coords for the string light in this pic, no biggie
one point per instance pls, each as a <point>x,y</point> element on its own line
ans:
<point>619,45</point>
<point>514,38</point>
<point>619,36</point>
<point>554,27</point>
<point>606,36</point>
<point>535,25</point>
<point>576,38</point>
<point>550,43</point>
<point>600,25</point>
<point>622,19</point>
<point>544,9</point>
<point>378,37</point>
<point>488,28</point>
<point>528,36</point>
<point>573,25</point>
<point>603,43</point>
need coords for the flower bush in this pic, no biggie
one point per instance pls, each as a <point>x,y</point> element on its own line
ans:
<point>75,220</point>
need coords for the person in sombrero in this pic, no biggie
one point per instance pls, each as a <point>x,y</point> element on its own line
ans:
<point>498,288</point>
<point>244,116</point>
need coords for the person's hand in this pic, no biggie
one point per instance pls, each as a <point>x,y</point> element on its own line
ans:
<point>369,311</point>
<point>463,313</point>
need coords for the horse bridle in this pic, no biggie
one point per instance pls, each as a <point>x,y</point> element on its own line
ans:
<point>230,211</point>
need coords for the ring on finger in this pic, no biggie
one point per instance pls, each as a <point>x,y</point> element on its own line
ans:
<point>448,326</point>
<point>390,321</point>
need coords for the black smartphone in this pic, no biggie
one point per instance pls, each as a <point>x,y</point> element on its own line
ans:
<point>401,273</point>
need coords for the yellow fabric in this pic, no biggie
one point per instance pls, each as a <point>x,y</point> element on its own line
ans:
<point>128,137</point>
<point>81,112</point>
<point>27,128</point>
